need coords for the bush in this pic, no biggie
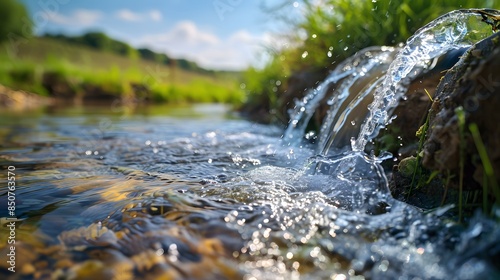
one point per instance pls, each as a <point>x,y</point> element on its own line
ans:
<point>15,21</point>
<point>23,75</point>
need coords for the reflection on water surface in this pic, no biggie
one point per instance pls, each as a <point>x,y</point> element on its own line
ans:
<point>196,193</point>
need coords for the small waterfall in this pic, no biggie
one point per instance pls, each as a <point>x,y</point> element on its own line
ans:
<point>379,75</point>
<point>349,71</point>
<point>353,92</point>
<point>454,30</point>
<point>385,74</point>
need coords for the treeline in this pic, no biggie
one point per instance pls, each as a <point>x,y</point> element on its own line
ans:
<point>100,41</point>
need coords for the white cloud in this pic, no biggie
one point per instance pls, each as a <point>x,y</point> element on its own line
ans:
<point>80,17</point>
<point>241,36</point>
<point>155,15</point>
<point>128,15</point>
<point>186,40</point>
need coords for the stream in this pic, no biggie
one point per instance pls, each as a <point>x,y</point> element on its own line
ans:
<point>196,192</point>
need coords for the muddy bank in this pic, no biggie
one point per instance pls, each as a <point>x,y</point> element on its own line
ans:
<point>20,100</point>
<point>65,91</point>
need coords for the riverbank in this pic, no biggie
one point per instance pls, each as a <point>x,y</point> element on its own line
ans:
<point>51,68</point>
<point>21,100</point>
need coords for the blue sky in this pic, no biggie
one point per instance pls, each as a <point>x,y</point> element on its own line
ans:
<point>217,34</point>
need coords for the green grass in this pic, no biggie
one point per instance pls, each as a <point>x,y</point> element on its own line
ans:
<point>489,175</point>
<point>24,63</point>
<point>417,165</point>
<point>459,111</point>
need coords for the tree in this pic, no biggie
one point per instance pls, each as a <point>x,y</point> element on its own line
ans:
<point>15,21</point>
<point>97,40</point>
<point>153,56</point>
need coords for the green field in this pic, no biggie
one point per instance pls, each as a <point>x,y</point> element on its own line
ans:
<point>27,63</point>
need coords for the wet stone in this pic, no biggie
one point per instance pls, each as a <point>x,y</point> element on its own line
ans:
<point>473,85</point>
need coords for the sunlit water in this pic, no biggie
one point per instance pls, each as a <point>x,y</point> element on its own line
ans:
<point>199,195</point>
<point>196,193</point>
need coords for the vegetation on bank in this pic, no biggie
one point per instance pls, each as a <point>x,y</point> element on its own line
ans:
<point>44,66</point>
<point>100,41</point>
<point>94,66</point>
<point>329,31</point>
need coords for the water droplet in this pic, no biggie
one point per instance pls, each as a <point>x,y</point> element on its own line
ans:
<point>88,153</point>
<point>304,54</point>
<point>173,252</point>
<point>314,252</point>
<point>211,134</point>
<point>384,265</point>
<point>148,142</point>
<point>346,48</point>
<point>338,277</point>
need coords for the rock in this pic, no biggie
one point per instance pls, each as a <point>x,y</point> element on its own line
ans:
<point>473,84</point>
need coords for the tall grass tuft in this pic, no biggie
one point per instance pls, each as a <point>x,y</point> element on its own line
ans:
<point>489,174</point>
<point>459,111</point>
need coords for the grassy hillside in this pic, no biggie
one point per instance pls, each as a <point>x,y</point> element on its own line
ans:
<point>27,64</point>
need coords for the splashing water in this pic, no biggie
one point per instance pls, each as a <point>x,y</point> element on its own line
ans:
<point>351,70</point>
<point>387,81</point>
<point>352,92</point>
<point>455,30</point>
<point>374,72</point>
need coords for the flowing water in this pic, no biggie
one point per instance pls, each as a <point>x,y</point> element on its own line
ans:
<point>196,193</point>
